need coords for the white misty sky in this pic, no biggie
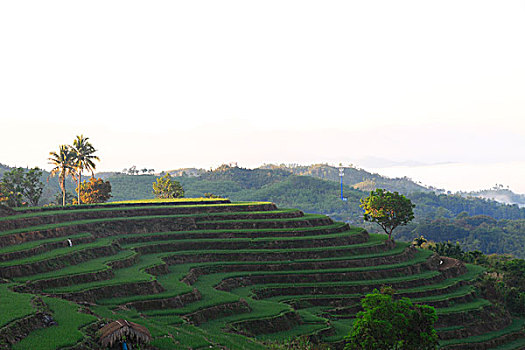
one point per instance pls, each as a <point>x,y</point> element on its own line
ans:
<point>171,84</point>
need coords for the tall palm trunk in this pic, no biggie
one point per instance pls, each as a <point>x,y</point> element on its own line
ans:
<point>79,180</point>
<point>63,185</point>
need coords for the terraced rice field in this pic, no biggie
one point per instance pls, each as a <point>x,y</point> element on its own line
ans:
<point>214,274</point>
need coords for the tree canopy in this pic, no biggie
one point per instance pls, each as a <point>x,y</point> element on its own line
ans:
<point>166,187</point>
<point>389,324</point>
<point>387,209</point>
<point>94,191</point>
<point>20,186</point>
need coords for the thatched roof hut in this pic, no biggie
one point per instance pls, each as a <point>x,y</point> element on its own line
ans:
<point>114,332</point>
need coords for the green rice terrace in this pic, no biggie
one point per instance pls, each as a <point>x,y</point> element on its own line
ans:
<point>203,274</point>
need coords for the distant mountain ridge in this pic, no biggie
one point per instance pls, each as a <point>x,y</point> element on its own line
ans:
<point>354,177</point>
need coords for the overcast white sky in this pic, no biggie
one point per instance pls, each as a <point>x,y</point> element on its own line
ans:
<point>170,84</point>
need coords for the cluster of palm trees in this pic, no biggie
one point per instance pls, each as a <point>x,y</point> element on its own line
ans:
<point>72,161</point>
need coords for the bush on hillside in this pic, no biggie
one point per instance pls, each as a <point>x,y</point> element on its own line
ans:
<point>165,187</point>
<point>388,324</point>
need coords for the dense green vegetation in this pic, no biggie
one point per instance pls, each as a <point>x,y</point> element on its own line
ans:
<point>478,232</point>
<point>505,282</point>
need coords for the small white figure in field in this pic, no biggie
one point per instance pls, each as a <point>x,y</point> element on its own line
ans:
<point>70,243</point>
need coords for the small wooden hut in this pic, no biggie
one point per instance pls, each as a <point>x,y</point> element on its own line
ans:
<point>115,332</point>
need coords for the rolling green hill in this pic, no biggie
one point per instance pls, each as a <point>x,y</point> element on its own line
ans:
<point>212,273</point>
<point>312,194</point>
<point>315,195</point>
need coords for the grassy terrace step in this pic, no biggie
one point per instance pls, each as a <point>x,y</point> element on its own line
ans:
<point>113,226</point>
<point>516,326</point>
<point>24,213</point>
<point>50,217</point>
<point>57,252</point>
<point>350,287</point>
<point>19,305</point>
<point>518,344</point>
<point>127,204</point>
<point>448,285</point>
<point>305,221</point>
<point>243,233</point>
<point>175,289</point>
<point>399,254</point>
<point>324,275</point>
<point>135,273</point>
<point>210,297</point>
<point>203,216</point>
<point>94,265</point>
<point>473,271</point>
<point>171,282</point>
<point>90,271</point>
<point>352,305</point>
<point>473,305</point>
<point>173,286</point>
<point>335,239</point>
<point>57,259</point>
<point>98,227</point>
<point>463,291</point>
<point>170,235</point>
<point>375,244</point>
<point>308,300</point>
<point>37,247</point>
<point>29,245</point>
<point>66,333</point>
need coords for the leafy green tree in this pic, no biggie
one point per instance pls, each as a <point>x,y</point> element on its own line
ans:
<point>388,209</point>
<point>388,324</point>
<point>12,187</point>
<point>20,186</point>
<point>33,186</point>
<point>166,187</point>
<point>64,165</point>
<point>83,151</point>
<point>95,191</point>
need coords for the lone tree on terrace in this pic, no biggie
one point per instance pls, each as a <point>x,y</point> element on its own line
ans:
<point>166,187</point>
<point>388,209</point>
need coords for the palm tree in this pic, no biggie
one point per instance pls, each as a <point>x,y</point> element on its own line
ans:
<point>83,151</point>
<point>64,166</point>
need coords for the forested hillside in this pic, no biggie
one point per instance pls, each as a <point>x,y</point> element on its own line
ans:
<point>354,177</point>
<point>435,213</point>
